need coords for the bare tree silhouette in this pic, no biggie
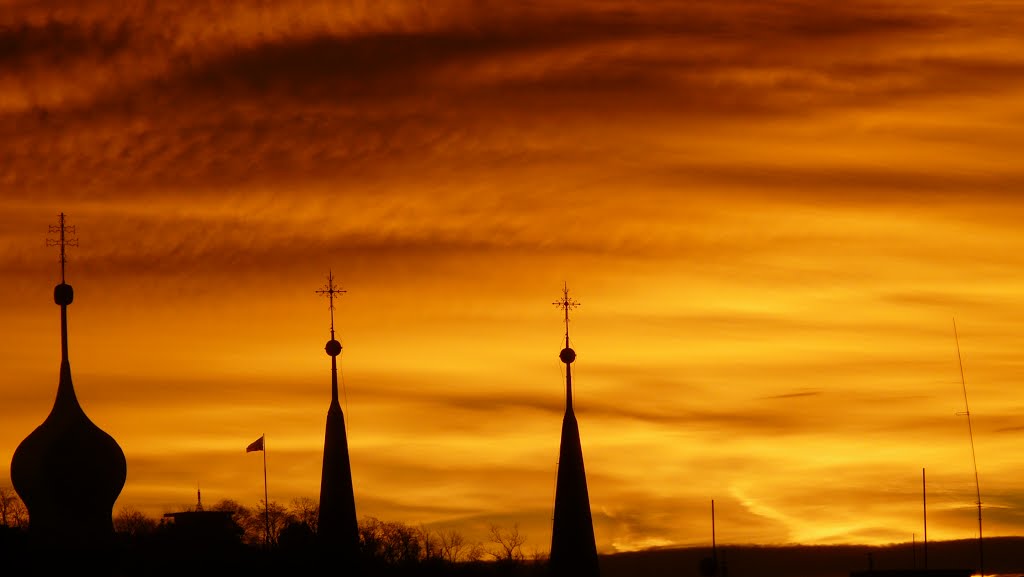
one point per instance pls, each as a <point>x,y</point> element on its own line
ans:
<point>430,544</point>
<point>508,544</point>
<point>452,545</point>
<point>306,510</point>
<point>134,523</point>
<point>276,519</point>
<point>13,512</point>
<point>390,543</point>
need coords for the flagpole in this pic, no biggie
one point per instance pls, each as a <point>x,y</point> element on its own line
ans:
<point>266,499</point>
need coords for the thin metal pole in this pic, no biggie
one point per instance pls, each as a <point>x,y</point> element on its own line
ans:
<point>266,499</point>
<point>714,550</point>
<point>974,458</point>
<point>924,502</point>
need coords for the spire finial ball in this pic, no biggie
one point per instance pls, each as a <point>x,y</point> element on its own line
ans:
<point>567,355</point>
<point>333,348</point>
<point>63,294</point>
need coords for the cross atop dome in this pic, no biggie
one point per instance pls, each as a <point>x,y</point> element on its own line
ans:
<point>61,228</point>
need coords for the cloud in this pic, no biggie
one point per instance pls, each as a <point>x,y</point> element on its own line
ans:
<point>795,395</point>
<point>188,105</point>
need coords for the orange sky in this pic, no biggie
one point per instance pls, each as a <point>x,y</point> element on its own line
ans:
<point>771,215</point>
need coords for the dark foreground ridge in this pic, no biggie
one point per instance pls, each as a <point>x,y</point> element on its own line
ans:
<point>167,554</point>
<point>1003,556</point>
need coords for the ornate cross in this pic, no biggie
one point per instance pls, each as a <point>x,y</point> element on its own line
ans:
<point>329,291</point>
<point>63,229</point>
<point>566,304</point>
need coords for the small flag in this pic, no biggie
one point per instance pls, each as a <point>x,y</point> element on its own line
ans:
<point>256,445</point>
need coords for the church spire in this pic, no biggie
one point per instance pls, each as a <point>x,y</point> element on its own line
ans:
<point>337,526</point>
<point>573,547</point>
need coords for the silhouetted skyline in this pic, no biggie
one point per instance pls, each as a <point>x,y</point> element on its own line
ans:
<point>774,212</point>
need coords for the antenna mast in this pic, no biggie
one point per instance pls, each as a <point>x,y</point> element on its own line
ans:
<point>714,549</point>
<point>974,458</point>
<point>924,507</point>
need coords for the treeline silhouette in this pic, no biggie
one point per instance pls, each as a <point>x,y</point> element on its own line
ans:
<point>147,546</point>
<point>228,538</point>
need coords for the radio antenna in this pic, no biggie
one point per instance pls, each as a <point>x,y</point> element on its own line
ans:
<point>974,458</point>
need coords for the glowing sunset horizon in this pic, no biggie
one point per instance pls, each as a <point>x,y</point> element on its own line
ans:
<point>770,214</point>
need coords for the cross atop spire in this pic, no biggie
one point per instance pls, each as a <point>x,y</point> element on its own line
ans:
<point>329,291</point>
<point>63,229</point>
<point>566,304</point>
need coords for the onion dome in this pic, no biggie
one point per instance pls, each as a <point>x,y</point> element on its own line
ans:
<point>68,471</point>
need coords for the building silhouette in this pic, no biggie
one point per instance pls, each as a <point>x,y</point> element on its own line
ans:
<point>337,527</point>
<point>200,531</point>
<point>573,548</point>
<point>68,471</point>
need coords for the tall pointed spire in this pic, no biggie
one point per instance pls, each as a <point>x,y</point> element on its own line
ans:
<point>337,525</point>
<point>68,471</point>
<point>573,547</point>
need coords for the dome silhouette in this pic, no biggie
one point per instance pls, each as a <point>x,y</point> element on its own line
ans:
<point>68,471</point>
